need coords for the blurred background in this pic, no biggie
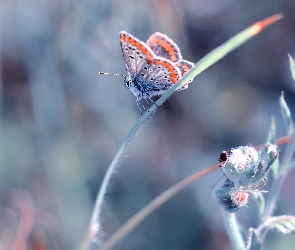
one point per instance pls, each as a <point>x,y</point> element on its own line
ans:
<point>61,123</point>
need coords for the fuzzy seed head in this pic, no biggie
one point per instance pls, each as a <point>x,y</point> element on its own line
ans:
<point>240,159</point>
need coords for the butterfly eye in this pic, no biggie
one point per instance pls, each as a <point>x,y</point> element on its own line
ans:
<point>127,83</point>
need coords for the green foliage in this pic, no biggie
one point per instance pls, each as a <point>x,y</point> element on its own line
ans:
<point>286,114</point>
<point>284,224</point>
<point>272,132</point>
<point>292,67</point>
<point>260,201</point>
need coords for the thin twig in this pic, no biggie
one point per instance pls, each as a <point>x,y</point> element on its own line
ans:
<point>152,206</point>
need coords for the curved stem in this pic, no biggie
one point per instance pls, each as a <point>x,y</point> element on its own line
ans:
<point>152,206</point>
<point>94,223</point>
<point>280,141</point>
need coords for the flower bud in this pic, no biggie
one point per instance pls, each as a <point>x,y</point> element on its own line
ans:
<point>268,155</point>
<point>230,198</point>
<point>241,164</point>
<point>245,170</point>
<point>224,197</point>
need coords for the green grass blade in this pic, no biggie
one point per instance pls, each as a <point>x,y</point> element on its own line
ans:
<point>221,51</point>
<point>286,113</point>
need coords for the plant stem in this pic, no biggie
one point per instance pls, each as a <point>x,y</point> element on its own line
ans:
<point>233,230</point>
<point>94,224</point>
<point>278,182</point>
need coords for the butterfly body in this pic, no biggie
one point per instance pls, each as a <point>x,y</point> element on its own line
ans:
<point>143,88</point>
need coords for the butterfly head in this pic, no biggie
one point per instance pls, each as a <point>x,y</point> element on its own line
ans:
<point>127,82</point>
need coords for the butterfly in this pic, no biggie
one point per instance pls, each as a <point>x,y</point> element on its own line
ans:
<point>152,67</point>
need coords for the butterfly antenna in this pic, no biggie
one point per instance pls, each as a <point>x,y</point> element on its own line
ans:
<point>110,74</point>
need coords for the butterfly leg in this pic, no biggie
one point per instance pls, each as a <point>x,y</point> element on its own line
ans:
<point>149,98</point>
<point>140,105</point>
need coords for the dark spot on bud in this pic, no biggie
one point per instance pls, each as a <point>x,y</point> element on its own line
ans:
<point>223,156</point>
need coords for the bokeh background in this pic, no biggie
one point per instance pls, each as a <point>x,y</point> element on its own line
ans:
<point>61,123</point>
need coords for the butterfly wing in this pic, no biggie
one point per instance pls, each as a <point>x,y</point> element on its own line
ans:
<point>155,79</point>
<point>184,67</point>
<point>150,75</point>
<point>164,47</point>
<point>160,75</point>
<point>135,53</point>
